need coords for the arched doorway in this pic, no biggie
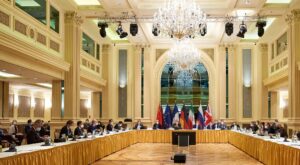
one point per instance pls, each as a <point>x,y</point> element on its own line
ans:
<point>184,88</point>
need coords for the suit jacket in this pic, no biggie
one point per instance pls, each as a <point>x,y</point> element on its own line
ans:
<point>92,128</point>
<point>209,127</point>
<point>298,135</point>
<point>176,127</point>
<point>33,137</point>
<point>223,126</point>
<point>136,126</point>
<point>78,131</point>
<point>27,128</point>
<point>156,126</point>
<point>100,126</point>
<point>109,127</point>
<point>117,127</point>
<point>67,131</point>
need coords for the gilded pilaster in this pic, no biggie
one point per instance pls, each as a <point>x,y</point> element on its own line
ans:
<point>72,55</point>
<point>294,73</point>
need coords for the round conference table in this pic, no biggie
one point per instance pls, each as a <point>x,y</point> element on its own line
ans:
<point>87,151</point>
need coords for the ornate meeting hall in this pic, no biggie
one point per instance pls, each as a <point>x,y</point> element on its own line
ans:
<point>149,82</point>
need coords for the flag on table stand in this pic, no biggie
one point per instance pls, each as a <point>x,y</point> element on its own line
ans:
<point>208,116</point>
<point>186,117</point>
<point>182,117</point>
<point>200,117</point>
<point>167,117</point>
<point>175,115</point>
<point>159,115</point>
<point>191,120</point>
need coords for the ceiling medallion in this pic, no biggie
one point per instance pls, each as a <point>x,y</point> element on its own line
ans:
<point>179,19</point>
<point>183,56</point>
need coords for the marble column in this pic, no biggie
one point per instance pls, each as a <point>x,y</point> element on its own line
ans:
<point>293,71</point>
<point>56,100</point>
<point>263,55</point>
<point>138,86</point>
<point>221,67</point>
<point>232,86</point>
<point>4,99</point>
<point>73,40</point>
<point>96,105</point>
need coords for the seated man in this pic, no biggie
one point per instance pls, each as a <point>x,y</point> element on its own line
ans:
<point>79,129</point>
<point>110,126</point>
<point>223,125</point>
<point>235,126</point>
<point>66,130</point>
<point>100,126</point>
<point>298,135</point>
<point>92,127</point>
<point>210,126</point>
<point>138,125</point>
<point>157,125</point>
<point>176,125</point>
<point>119,125</point>
<point>33,136</point>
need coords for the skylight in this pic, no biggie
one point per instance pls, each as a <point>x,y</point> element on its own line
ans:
<point>8,75</point>
<point>27,3</point>
<point>87,2</point>
<point>279,1</point>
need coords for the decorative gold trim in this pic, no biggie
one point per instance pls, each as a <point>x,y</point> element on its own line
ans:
<point>299,65</point>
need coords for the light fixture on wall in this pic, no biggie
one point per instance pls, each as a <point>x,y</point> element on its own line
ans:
<point>122,84</point>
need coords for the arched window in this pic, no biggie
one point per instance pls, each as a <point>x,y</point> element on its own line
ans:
<point>189,88</point>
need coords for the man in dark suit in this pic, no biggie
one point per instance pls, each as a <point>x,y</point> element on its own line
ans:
<point>28,126</point>
<point>176,125</point>
<point>223,125</point>
<point>298,135</point>
<point>139,125</point>
<point>209,126</point>
<point>66,130</point>
<point>79,129</point>
<point>119,125</point>
<point>92,127</point>
<point>32,135</point>
<point>110,126</point>
<point>157,125</point>
<point>100,126</point>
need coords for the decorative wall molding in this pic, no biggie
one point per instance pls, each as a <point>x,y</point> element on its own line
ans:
<point>294,16</point>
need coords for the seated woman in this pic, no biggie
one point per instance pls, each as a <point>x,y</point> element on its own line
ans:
<point>79,129</point>
<point>139,125</point>
<point>66,130</point>
<point>176,125</point>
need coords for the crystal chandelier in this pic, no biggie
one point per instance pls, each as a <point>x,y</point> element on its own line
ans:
<point>179,19</point>
<point>183,56</point>
<point>184,79</point>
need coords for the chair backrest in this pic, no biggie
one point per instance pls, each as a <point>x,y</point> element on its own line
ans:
<point>127,120</point>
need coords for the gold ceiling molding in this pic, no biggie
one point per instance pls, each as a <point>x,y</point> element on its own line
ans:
<point>294,16</point>
<point>72,16</point>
